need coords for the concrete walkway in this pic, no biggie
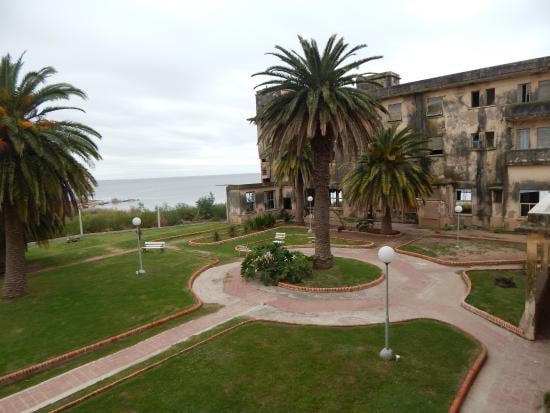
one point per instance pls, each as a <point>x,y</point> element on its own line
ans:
<point>514,378</point>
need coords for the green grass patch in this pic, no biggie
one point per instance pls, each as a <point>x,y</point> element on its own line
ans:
<point>345,272</point>
<point>275,368</point>
<point>419,250</point>
<point>74,306</point>
<point>505,303</point>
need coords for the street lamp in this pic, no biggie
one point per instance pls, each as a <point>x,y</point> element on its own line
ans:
<point>136,221</point>
<point>310,200</point>
<point>458,210</point>
<point>386,255</point>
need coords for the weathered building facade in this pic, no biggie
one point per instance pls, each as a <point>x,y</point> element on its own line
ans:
<point>488,132</point>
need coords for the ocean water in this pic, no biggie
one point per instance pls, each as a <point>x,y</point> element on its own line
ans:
<point>170,191</point>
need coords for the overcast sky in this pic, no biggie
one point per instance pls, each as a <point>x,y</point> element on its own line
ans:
<point>169,84</point>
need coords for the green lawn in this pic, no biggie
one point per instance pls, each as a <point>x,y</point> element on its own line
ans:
<point>59,252</point>
<point>278,368</point>
<point>505,303</point>
<point>344,272</point>
<point>77,305</point>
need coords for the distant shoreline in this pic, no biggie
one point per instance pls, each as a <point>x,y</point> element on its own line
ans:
<point>177,177</point>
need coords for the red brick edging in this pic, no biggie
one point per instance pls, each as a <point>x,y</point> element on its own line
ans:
<point>36,368</point>
<point>455,406</point>
<point>458,263</point>
<point>469,379</point>
<point>489,317</point>
<point>345,289</point>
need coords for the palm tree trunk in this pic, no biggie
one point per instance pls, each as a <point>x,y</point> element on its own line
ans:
<point>15,283</point>
<point>299,193</point>
<point>322,147</point>
<point>386,220</point>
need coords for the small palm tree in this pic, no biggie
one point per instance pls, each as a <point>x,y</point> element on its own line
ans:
<point>43,174</point>
<point>297,170</point>
<point>389,174</point>
<point>314,103</point>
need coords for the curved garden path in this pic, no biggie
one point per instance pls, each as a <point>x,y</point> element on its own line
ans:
<point>513,379</point>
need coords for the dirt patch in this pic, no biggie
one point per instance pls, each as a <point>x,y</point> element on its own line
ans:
<point>468,250</point>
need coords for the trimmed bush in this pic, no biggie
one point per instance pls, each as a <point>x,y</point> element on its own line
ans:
<point>272,263</point>
<point>259,223</point>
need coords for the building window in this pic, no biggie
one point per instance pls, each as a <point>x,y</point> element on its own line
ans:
<point>543,137</point>
<point>250,198</point>
<point>435,106</point>
<point>543,91</point>
<point>476,142</point>
<point>490,96</point>
<point>528,199</point>
<point>489,139</point>
<point>435,145</point>
<point>394,112</point>
<point>523,140</point>
<point>269,199</point>
<point>287,203</point>
<point>335,198</point>
<point>497,196</point>
<point>464,199</point>
<point>524,92</point>
<point>475,98</point>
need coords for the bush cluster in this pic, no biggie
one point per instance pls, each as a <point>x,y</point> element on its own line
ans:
<point>259,223</point>
<point>102,220</point>
<point>272,263</point>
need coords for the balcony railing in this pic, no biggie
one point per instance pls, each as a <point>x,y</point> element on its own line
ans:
<point>528,157</point>
<point>529,110</point>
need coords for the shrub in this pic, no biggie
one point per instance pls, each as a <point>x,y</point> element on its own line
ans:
<point>232,231</point>
<point>272,263</point>
<point>205,206</point>
<point>259,223</point>
<point>285,216</point>
<point>216,236</point>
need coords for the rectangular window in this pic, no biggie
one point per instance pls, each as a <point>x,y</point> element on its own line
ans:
<point>394,112</point>
<point>490,96</point>
<point>543,92</point>
<point>269,199</point>
<point>250,201</point>
<point>435,145</point>
<point>335,198</point>
<point>475,98</point>
<point>497,196</point>
<point>435,106</point>
<point>524,92</point>
<point>489,139</point>
<point>287,203</point>
<point>523,140</point>
<point>464,199</point>
<point>464,195</point>
<point>527,200</point>
<point>543,137</point>
<point>476,142</point>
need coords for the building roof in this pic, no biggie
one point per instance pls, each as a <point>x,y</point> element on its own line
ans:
<point>538,65</point>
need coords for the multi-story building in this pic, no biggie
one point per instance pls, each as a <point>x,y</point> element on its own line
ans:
<point>488,132</point>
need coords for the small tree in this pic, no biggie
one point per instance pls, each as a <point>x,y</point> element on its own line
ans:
<point>205,206</point>
<point>389,174</point>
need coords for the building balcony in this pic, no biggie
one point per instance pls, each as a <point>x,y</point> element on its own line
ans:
<point>529,110</point>
<point>528,157</point>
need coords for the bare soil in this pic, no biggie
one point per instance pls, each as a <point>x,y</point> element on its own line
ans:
<point>468,250</point>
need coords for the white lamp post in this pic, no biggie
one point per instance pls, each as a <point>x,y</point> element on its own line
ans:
<point>386,255</point>
<point>310,200</point>
<point>458,210</point>
<point>136,221</point>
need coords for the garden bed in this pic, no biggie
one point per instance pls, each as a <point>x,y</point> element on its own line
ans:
<point>505,303</point>
<point>278,375</point>
<point>345,275</point>
<point>471,251</point>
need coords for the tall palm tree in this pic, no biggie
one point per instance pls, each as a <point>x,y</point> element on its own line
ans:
<point>314,102</point>
<point>297,170</point>
<point>389,174</point>
<point>43,172</point>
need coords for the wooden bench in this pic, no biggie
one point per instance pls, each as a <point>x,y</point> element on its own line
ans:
<point>154,245</point>
<point>279,238</point>
<point>242,249</point>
